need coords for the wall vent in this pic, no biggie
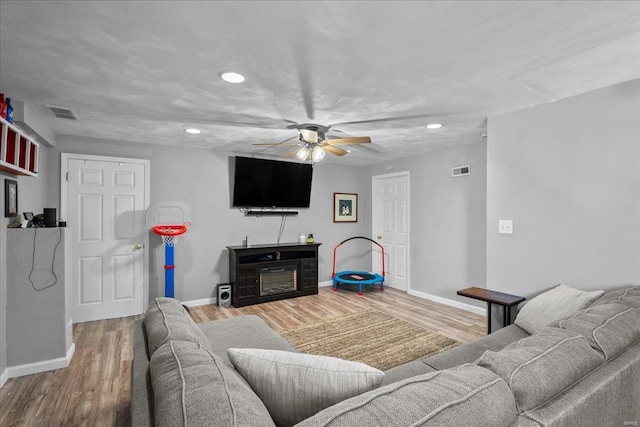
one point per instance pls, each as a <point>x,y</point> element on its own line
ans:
<point>63,113</point>
<point>460,170</point>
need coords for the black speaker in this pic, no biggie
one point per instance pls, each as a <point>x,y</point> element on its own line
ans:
<point>50,217</point>
<point>224,295</point>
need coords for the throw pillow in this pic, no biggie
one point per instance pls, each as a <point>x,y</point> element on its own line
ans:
<point>295,386</point>
<point>552,306</point>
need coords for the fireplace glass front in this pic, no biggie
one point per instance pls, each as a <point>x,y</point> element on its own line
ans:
<point>278,280</point>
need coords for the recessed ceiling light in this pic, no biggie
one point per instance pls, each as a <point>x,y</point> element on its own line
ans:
<point>434,126</point>
<point>231,77</point>
<point>192,131</point>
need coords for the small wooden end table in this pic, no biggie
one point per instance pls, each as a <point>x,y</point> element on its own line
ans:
<point>492,297</point>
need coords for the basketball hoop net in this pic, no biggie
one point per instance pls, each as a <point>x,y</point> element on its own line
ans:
<point>170,233</point>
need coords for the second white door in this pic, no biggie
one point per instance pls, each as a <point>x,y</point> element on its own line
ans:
<point>390,227</point>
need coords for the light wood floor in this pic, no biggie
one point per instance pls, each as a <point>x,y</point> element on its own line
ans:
<point>94,390</point>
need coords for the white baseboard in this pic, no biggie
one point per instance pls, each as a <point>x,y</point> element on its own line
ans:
<point>325,283</point>
<point>196,302</point>
<point>45,365</point>
<point>450,302</point>
<point>4,376</point>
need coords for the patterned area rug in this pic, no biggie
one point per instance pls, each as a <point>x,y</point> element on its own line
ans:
<point>370,337</point>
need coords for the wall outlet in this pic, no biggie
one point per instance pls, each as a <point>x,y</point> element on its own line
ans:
<point>505,226</point>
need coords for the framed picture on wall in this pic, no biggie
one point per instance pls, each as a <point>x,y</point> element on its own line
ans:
<point>10,198</point>
<point>345,207</point>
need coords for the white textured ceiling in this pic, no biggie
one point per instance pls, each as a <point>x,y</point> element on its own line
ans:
<point>142,71</point>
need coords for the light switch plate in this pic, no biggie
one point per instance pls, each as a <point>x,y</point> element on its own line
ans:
<point>505,226</point>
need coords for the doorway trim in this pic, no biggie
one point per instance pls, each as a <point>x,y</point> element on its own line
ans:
<point>64,159</point>
<point>375,183</point>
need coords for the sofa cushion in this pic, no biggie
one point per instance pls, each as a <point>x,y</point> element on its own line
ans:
<point>553,305</point>
<point>242,331</point>
<point>609,328</point>
<point>471,351</point>
<point>459,396</point>
<point>539,367</point>
<point>294,386</point>
<point>406,370</point>
<point>167,320</point>
<point>193,387</point>
<point>627,296</point>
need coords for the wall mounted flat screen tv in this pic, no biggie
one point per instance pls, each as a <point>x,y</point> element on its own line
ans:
<point>261,183</point>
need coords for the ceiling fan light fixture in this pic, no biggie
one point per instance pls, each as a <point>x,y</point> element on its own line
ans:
<point>434,126</point>
<point>232,77</point>
<point>303,153</point>
<point>192,131</point>
<point>317,154</point>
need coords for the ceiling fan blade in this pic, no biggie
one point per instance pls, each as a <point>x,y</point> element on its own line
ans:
<point>391,119</point>
<point>279,143</point>
<point>304,66</point>
<point>290,154</point>
<point>354,140</point>
<point>334,150</point>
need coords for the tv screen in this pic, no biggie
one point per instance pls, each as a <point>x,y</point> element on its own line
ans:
<point>271,183</point>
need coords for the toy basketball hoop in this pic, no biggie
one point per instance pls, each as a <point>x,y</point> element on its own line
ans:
<point>169,220</point>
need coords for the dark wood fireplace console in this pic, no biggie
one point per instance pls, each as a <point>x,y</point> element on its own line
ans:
<point>262,273</point>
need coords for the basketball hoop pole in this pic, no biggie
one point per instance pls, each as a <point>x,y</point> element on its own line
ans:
<point>169,234</point>
<point>168,271</point>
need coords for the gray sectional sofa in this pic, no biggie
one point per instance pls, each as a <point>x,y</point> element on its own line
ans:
<point>580,370</point>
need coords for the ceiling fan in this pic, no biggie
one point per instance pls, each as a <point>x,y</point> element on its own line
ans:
<point>313,142</point>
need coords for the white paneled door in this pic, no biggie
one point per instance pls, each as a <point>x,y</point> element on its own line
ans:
<point>104,201</point>
<point>390,227</point>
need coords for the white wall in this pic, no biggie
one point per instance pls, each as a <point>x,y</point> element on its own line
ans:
<point>568,174</point>
<point>448,217</point>
<point>30,199</point>
<point>200,178</point>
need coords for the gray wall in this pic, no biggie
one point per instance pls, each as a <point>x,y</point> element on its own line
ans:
<point>200,178</point>
<point>448,217</point>
<point>567,173</point>
<point>31,199</point>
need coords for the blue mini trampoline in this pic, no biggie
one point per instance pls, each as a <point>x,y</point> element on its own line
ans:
<point>357,277</point>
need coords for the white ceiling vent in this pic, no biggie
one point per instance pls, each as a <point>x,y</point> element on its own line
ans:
<point>460,170</point>
<point>63,113</point>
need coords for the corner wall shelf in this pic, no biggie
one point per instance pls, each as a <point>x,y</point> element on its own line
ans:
<point>18,152</point>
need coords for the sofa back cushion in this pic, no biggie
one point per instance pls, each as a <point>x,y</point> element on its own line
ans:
<point>167,320</point>
<point>295,386</point>
<point>193,387</point>
<point>541,366</point>
<point>627,296</point>
<point>609,328</point>
<point>552,306</point>
<point>467,395</point>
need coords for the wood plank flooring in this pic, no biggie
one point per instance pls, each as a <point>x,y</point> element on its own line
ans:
<point>95,391</point>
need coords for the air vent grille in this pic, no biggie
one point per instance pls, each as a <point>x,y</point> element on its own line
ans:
<point>460,171</point>
<point>63,113</point>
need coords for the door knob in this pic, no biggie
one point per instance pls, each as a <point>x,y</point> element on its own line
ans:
<point>138,247</point>
<point>379,237</point>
